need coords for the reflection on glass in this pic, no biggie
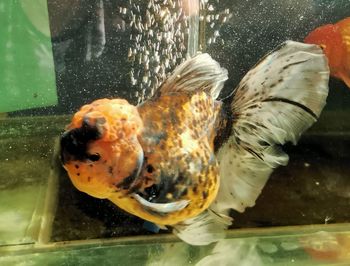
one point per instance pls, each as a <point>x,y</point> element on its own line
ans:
<point>27,78</point>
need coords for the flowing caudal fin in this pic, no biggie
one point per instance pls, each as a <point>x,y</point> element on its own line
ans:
<point>275,103</point>
<point>200,72</point>
<point>281,97</point>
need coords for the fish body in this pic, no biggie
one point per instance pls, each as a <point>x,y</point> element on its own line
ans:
<point>183,158</point>
<point>179,164</point>
<point>159,163</point>
<point>335,41</point>
<point>178,141</point>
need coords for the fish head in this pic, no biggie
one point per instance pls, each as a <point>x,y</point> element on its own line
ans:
<point>329,38</point>
<point>100,148</point>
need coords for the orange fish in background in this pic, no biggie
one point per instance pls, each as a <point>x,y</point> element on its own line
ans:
<point>327,246</point>
<point>184,158</point>
<point>335,41</point>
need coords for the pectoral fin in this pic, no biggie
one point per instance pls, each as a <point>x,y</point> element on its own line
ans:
<point>161,207</point>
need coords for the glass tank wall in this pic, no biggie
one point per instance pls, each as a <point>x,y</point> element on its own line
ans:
<point>56,56</point>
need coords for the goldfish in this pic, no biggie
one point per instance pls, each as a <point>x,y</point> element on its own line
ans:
<point>184,158</point>
<point>335,41</point>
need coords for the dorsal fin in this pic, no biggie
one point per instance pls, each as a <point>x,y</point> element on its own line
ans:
<point>199,73</point>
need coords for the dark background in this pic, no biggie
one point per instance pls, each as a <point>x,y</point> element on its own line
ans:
<point>255,27</point>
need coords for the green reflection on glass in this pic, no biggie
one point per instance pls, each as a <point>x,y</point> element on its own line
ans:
<point>27,77</point>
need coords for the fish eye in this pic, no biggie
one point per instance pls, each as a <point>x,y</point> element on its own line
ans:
<point>94,157</point>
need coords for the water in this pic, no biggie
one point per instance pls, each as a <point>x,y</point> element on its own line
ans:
<point>126,49</point>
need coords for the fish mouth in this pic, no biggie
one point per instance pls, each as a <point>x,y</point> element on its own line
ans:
<point>74,143</point>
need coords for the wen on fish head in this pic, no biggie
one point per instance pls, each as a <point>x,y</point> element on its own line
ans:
<point>100,148</point>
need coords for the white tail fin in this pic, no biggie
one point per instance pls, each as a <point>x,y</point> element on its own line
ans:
<point>275,103</point>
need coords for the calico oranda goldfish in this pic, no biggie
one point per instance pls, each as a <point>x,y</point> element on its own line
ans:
<point>335,41</point>
<point>184,158</point>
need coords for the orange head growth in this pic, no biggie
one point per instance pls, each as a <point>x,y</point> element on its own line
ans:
<point>100,148</point>
<point>330,39</point>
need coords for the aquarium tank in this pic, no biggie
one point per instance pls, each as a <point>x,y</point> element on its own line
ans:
<point>56,56</point>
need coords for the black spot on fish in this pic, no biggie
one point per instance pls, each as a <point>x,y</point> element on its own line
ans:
<point>149,169</point>
<point>74,142</point>
<point>110,170</point>
<point>76,166</point>
<point>195,189</point>
<point>180,178</point>
<point>225,126</point>
<point>201,179</point>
